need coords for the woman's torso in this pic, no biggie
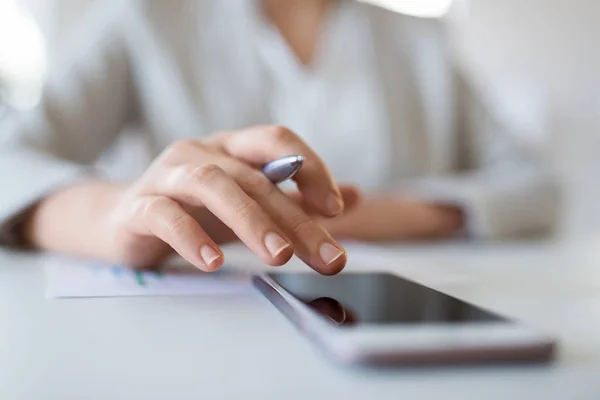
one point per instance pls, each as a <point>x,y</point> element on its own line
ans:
<point>363,103</point>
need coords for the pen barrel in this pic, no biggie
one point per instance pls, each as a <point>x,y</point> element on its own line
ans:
<point>284,169</point>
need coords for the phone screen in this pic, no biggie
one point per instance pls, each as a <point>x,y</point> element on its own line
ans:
<point>377,298</point>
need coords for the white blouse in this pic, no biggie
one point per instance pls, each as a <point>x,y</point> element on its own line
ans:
<point>335,103</point>
<point>382,103</point>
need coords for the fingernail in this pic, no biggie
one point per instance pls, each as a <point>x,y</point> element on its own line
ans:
<point>334,204</point>
<point>209,255</point>
<point>275,243</point>
<point>329,253</point>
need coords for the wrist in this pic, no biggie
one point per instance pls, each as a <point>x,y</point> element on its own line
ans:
<point>73,216</point>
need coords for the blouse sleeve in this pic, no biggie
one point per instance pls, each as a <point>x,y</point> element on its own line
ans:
<point>86,102</point>
<point>505,190</point>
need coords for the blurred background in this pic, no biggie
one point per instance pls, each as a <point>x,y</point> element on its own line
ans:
<point>536,58</point>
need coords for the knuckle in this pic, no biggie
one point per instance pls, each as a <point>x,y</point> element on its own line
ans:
<point>159,210</point>
<point>179,147</point>
<point>257,183</point>
<point>154,206</point>
<point>281,133</point>
<point>178,224</point>
<point>246,210</point>
<point>302,224</point>
<point>206,172</point>
<point>197,174</point>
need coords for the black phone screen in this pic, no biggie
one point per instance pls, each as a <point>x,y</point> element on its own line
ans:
<point>376,298</point>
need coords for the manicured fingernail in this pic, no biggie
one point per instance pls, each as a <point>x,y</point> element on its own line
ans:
<point>209,255</point>
<point>334,204</point>
<point>329,253</point>
<point>275,244</point>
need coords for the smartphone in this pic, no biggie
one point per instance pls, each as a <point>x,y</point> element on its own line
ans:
<point>380,318</point>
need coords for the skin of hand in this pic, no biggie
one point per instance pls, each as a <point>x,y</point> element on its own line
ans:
<point>141,223</point>
<point>393,218</point>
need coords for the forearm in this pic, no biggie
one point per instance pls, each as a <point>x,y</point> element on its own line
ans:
<point>74,220</point>
<point>393,218</point>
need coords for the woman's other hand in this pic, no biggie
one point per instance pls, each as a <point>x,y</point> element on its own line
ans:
<point>394,218</point>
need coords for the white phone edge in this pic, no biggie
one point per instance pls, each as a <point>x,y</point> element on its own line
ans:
<point>422,344</point>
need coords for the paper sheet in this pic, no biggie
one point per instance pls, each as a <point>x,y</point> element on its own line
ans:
<point>68,277</point>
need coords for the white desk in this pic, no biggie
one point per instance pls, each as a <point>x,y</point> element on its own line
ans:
<point>241,347</point>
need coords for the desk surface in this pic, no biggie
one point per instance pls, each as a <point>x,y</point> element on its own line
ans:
<point>241,347</point>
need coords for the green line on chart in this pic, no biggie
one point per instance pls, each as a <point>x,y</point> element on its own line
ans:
<point>158,274</point>
<point>140,278</point>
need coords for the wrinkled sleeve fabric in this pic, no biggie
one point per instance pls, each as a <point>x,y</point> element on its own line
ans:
<point>87,101</point>
<point>505,189</point>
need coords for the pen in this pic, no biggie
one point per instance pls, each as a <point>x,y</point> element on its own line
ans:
<point>283,169</point>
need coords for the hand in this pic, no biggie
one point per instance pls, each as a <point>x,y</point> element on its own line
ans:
<point>140,223</point>
<point>392,218</point>
<point>222,234</point>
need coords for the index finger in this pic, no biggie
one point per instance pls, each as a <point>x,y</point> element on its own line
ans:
<point>263,144</point>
